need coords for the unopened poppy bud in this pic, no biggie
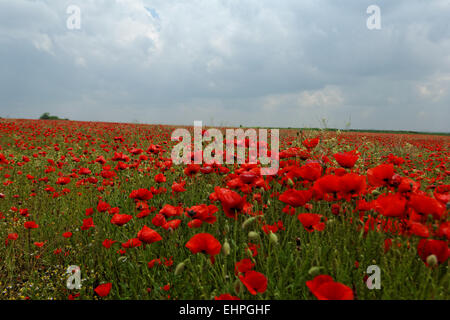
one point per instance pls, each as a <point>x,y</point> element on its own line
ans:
<point>180,267</point>
<point>290,182</point>
<point>314,271</point>
<point>252,235</point>
<point>376,192</point>
<point>273,238</point>
<point>237,286</point>
<point>247,222</point>
<point>226,248</point>
<point>432,260</point>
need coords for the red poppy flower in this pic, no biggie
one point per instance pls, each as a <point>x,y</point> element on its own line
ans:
<point>13,236</point>
<point>171,211</point>
<point>24,212</point>
<point>148,235</point>
<point>191,169</point>
<point>352,184</point>
<point>87,224</point>
<point>439,248</point>
<point>63,180</point>
<point>73,296</point>
<point>318,281</point>
<point>232,202</point>
<point>206,169</point>
<point>84,171</point>
<point>152,263</point>
<point>121,219</point>
<point>311,221</point>
<point>310,143</point>
<point>202,212</point>
<point>196,223</point>
<point>107,243</point>
<point>380,175</point>
<point>310,171</point>
<point>141,194</point>
<point>390,205</point>
<point>248,177</point>
<point>172,225</point>
<point>346,159</point>
<point>30,225</point>
<point>243,266</point>
<point>159,220</point>
<point>325,288</point>
<point>408,185</point>
<point>160,178</point>
<point>444,230</point>
<point>143,213</point>
<point>295,198</point>
<point>103,289</point>
<point>419,229</point>
<point>132,243</point>
<point>67,234</point>
<point>327,184</point>
<point>255,282</point>
<point>442,193</point>
<point>204,243</point>
<point>178,187</point>
<point>102,206</point>
<point>425,206</point>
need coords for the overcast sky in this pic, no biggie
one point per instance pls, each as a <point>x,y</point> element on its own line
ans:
<point>229,62</point>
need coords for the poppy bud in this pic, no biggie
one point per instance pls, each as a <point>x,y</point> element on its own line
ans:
<point>290,182</point>
<point>432,260</point>
<point>314,271</point>
<point>376,192</point>
<point>180,267</point>
<point>237,286</point>
<point>252,235</point>
<point>226,248</point>
<point>247,222</point>
<point>273,238</point>
<point>249,253</point>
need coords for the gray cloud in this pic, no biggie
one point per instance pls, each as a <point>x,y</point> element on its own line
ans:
<point>268,63</point>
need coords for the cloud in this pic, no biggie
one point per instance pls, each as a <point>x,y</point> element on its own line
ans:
<point>266,63</point>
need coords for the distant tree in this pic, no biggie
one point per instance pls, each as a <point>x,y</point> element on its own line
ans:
<point>47,116</point>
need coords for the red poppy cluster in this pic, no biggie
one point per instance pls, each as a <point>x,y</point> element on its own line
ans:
<point>114,189</point>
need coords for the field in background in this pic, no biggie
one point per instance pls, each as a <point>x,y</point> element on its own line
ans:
<point>107,198</point>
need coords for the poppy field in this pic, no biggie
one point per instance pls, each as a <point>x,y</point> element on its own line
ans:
<point>107,198</point>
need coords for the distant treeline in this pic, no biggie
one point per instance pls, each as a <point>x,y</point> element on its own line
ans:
<point>47,116</point>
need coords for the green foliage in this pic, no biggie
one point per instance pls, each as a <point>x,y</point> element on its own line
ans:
<point>47,116</point>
